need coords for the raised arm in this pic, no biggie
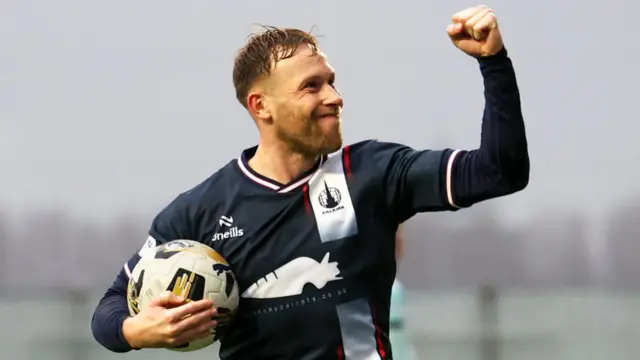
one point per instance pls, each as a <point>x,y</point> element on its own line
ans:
<point>419,181</point>
<point>500,166</point>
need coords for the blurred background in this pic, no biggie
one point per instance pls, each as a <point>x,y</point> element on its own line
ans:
<point>109,109</point>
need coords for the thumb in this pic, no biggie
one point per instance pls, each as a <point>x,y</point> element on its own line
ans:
<point>167,299</point>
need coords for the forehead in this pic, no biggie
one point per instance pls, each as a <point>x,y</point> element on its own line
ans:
<point>303,64</point>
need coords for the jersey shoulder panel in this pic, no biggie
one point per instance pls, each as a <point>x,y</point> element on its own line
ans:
<point>373,152</point>
<point>210,191</point>
<point>183,217</point>
<point>359,155</point>
<point>361,148</point>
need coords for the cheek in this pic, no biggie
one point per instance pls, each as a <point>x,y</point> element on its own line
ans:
<point>293,120</point>
<point>310,105</point>
<point>298,115</point>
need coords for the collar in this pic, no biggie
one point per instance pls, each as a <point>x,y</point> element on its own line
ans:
<point>247,171</point>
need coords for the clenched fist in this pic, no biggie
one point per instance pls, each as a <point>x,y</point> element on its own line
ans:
<point>475,31</point>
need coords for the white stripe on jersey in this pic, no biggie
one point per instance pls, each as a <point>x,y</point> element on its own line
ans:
<point>449,178</point>
<point>127,270</point>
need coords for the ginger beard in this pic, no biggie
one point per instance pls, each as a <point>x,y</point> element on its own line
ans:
<point>318,133</point>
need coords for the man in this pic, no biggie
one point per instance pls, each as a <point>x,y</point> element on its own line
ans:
<point>330,213</point>
<point>398,336</point>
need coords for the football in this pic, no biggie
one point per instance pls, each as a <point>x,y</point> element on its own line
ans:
<point>191,270</point>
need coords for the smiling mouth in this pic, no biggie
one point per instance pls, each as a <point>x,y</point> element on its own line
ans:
<point>328,116</point>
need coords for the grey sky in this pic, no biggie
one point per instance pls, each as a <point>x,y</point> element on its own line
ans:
<point>117,106</point>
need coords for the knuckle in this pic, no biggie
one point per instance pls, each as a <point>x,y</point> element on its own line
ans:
<point>170,330</point>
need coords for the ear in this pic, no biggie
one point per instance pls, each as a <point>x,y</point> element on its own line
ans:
<point>258,106</point>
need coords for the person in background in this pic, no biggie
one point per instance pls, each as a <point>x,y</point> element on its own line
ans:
<point>398,335</point>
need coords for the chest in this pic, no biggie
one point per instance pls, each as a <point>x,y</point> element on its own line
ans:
<point>325,232</point>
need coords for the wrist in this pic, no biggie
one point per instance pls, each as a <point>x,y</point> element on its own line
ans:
<point>130,333</point>
<point>499,56</point>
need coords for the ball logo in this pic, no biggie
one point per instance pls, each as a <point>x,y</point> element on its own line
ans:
<point>330,197</point>
<point>188,285</point>
<point>220,268</point>
<point>134,289</point>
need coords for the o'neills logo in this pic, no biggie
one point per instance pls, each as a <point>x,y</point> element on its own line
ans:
<point>233,232</point>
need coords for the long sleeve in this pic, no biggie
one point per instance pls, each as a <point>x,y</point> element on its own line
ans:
<point>109,315</point>
<point>500,166</point>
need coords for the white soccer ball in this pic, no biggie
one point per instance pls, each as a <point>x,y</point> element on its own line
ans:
<point>189,269</point>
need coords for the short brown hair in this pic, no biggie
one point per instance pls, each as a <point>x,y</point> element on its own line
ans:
<point>262,51</point>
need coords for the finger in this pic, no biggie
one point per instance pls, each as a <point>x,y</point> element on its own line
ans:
<point>194,321</point>
<point>166,299</point>
<point>209,331</point>
<point>470,24</point>
<point>464,15</point>
<point>484,25</point>
<point>200,332</point>
<point>190,308</point>
<point>454,29</point>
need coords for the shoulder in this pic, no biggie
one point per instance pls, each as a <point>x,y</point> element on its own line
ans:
<point>377,155</point>
<point>207,192</point>
<point>369,156</point>
<point>362,150</point>
<point>182,217</point>
<point>368,146</point>
<point>374,148</point>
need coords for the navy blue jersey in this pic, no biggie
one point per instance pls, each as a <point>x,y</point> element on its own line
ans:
<point>315,258</point>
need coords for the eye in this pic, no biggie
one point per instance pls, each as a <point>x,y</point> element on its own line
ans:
<point>312,85</point>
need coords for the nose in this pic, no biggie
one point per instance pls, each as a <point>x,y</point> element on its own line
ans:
<point>332,97</point>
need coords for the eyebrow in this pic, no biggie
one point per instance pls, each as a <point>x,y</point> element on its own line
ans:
<point>332,77</point>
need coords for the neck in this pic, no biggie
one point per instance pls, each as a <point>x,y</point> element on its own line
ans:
<point>280,164</point>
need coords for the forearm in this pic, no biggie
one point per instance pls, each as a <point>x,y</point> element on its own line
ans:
<point>500,166</point>
<point>109,315</point>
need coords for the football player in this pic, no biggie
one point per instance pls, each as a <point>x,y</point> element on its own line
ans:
<point>308,224</point>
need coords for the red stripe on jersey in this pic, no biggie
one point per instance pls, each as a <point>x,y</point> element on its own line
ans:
<point>340,353</point>
<point>307,202</point>
<point>346,158</point>
<point>381,351</point>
